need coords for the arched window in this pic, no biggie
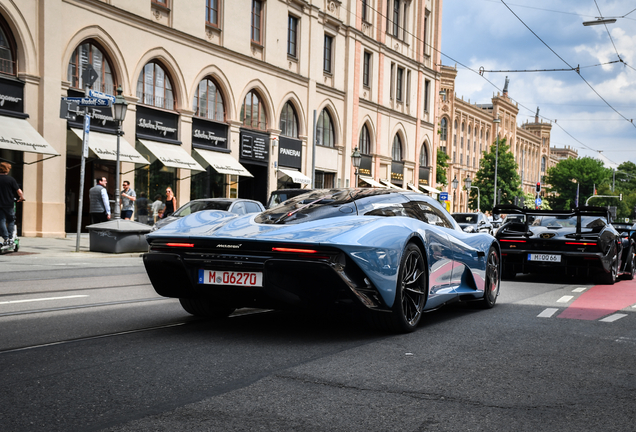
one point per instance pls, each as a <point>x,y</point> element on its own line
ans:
<point>364,143</point>
<point>7,53</point>
<point>543,164</point>
<point>289,121</point>
<point>324,130</point>
<point>208,101</point>
<point>487,136</point>
<point>89,54</point>
<point>253,113</point>
<point>424,156</point>
<point>470,129</point>
<point>154,87</point>
<point>443,129</point>
<point>396,151</point>
<point>463,126</point>
<point>455,126</point>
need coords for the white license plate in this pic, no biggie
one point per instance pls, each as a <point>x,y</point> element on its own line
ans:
<point>544,257</point>
<point>220,277</point>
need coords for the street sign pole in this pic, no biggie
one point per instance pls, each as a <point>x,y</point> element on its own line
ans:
<point>87,127</point>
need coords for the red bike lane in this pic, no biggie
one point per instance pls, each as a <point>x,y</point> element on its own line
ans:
<point>601,300</point>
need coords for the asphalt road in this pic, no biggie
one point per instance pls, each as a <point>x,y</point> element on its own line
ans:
<point>94,348</point>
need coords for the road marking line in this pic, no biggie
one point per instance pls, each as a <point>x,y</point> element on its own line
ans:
<point>579,289</point>
<point>565,299</point>
<point>42,299</point>
<point>613,318</point>
<point>634,306</point>
<point>547,313</point>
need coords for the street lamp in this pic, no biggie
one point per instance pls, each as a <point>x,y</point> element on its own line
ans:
<point>454,183</point>
<point>599,21</point>
<point>356,158</point>
<point>469,184</point>
<point>119,114</point>
<point>494,199</point>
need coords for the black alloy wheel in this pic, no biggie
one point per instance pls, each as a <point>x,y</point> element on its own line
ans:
<point>610,277</point>
<point>493,280</point>
<point>411,291</point>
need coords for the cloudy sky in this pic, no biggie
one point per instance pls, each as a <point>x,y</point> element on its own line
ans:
<point>486,33</point>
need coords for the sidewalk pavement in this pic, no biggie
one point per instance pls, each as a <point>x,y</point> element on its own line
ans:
<point>63,247</point>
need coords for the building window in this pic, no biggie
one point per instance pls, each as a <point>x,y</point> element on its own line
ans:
<point>396,150</point>
<point>427,91</point>
<point>324,130</point>
<point>328,54</point>
<point>396,18</point>
<point>424,156</point>
<point>212,12</point>
<point>253,113</point>
<point>461,142</point>
<point>391,87</point>
<point>408,87</point>
<point>365,10</point>
<point>325,180</point>
<point>289,121</point>
<point>89,54</point>
<point>427,14</point>
<point>364,143</point>
<point>443,129</point>
<point>543,164</point>
<point>463,126</point>
<point>366,69</point>
<point>292,36</point>
<point>154,87</point>
<point>257,21</point>
<point>163,3</point>
<point>399,84</point>
<point>208,101</point>
<point>7,62</point>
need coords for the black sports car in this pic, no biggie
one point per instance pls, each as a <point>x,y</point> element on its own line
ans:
<point>581,241</point>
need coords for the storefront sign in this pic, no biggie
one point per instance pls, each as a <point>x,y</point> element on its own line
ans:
<point>209,134</point>
<point>11,95</point>
<point>397,172</point>
<point>254,147</point>
<point>366,166</point>
<point>153,123</point>
<point>290,152</point>
<point>425,172</point>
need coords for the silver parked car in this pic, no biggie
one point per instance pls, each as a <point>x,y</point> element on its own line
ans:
<point>238,206</point>
<point>473,222</point>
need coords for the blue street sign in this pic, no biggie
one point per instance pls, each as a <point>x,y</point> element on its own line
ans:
<point>538,201</point>
<point>87,129</point>
<point>89,102</point>
<point>100,95</point>
<point>443,196</point>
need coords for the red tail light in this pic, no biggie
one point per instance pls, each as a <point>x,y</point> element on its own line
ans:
<point>293,250</point>
<point>180,244</point>
<point>512,241</point>
<point>581,243</point>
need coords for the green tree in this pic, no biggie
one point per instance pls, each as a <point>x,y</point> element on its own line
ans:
<point>508,180</point>
<point>562,179</point>
<point>442,166</point>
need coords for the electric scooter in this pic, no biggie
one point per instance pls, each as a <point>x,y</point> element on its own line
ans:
<point>14,236</point>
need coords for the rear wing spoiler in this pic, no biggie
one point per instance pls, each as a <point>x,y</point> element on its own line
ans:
<point>578,212</point>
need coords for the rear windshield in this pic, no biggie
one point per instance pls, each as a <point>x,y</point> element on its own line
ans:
<point>195,206</point>
<point>465,218</point>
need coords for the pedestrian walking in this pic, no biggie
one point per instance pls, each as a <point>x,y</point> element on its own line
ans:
<point>128,198</point>
<point>99,204</point>
<point>156,207</point>
<point>142,208</point>
<point>171,203</point>
<point>9,191</point>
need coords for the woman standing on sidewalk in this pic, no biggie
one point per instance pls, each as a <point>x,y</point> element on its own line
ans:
<point>171,203</point>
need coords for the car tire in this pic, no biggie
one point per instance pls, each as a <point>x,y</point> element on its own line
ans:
<point>205,308</point>
<point>630,268</point>
<point>609,278</point>
<point>492,281</point>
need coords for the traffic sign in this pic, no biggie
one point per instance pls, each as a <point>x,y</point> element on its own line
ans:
<point>89,75</point>
<point>443,196</point>
<point>100,95</point>
<point>538,201</point>
<point>89,102</point>
<point>87,129</point>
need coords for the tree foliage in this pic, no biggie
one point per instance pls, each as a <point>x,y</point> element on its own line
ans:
<point>442,166</point>
<point>562,179</point>
<point>508,180</point>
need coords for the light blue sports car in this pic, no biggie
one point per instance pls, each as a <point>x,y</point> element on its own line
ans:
<point>395,254</point>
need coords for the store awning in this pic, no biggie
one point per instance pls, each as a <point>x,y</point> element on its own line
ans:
<point>371,182</point>
<point>389,184</point>
<point>223,163</point>
<point>430,189</point>
<point>296,176</point>
<point>413,188</point>
<point>105,147</point>
<point>18,134</point>
<point>172,155</point>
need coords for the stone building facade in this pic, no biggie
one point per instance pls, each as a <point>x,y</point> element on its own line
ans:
<point>467,131</point>
<point>222,97</point>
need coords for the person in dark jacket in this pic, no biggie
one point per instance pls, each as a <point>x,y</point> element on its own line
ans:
<point>9,190</point>
<point>99,204</point>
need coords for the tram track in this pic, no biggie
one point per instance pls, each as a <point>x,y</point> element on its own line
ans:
<point>72,290</point>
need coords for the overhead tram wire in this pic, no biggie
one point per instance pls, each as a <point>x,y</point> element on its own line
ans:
<point>564,61</point>
<point>379,13</point>
<point>608,32</point>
